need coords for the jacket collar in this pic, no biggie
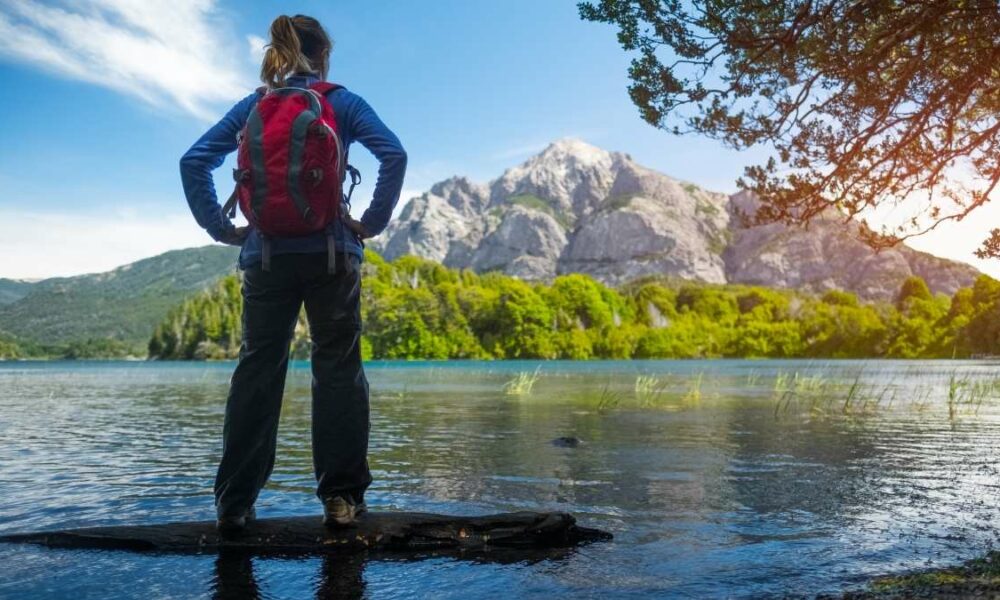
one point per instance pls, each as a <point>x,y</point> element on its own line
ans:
<point>301,80</point>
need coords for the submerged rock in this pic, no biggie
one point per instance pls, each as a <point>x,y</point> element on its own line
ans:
<point>567,442</point>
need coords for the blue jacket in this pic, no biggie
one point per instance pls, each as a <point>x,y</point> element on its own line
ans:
<point>357,122</point>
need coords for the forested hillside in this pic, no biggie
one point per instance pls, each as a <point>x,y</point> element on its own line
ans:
<point>105,314</point>
<point>12,290</point>
<point>415,308</point>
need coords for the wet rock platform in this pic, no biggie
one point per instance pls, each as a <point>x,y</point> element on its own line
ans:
<point>374,532</point>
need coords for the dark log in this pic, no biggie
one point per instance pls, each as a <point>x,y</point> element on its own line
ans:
<point>374,533</point>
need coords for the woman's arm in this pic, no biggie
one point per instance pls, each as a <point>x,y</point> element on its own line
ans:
<point>197,164</point>
<point>367,128</point>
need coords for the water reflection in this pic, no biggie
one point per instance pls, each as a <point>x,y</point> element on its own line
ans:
<point>338,577</point>
<point>234,577</point>
<point>343,576</point>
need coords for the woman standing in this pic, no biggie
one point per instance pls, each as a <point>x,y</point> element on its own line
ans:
<point>281,274</point>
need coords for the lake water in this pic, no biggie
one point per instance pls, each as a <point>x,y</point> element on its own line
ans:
<point>717,478</point>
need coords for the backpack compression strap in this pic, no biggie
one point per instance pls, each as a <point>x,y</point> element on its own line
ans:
<point>229,208</point>
<point>323,88</point>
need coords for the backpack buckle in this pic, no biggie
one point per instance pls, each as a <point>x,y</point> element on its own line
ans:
<point>317,175</point>
<point>319,128</point>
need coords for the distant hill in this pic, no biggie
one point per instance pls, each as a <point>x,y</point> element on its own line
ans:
<point>12,290</point>
<point>575,208</point>
<point>124,304</point>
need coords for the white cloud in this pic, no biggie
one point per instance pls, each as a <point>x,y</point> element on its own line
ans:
<point>36,245</point>
<point>256,46</point>
<point>165,52</point>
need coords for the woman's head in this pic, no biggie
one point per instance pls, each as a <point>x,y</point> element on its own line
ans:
<point>299,44</point>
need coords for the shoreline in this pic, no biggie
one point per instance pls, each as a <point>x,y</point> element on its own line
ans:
<point>978,359</point>
<point>975,578</point>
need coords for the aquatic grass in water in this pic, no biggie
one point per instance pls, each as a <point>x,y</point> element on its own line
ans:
<point>804,393</point>
<point>649,390</point>
<point>807,391</point>
<point>970,393</point>
<point>522,383</point>
<point>645,384</point>
<point>819,395</point>
<point>608,400</point>
<point>852,393</point>
<point>693,395</point>
<point>963,395</point>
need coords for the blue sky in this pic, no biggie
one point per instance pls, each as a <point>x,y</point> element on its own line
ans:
<point>102,97</point>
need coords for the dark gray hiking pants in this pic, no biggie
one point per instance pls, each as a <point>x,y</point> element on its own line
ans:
<point>271,303</point>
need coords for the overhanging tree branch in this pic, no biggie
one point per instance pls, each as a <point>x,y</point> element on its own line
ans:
<point>865,103</point>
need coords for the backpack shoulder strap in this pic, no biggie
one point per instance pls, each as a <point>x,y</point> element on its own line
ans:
<point>325,87</point>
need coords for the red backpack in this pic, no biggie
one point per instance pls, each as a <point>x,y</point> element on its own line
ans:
<point>290,165</point>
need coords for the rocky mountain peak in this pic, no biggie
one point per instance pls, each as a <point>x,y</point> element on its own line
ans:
<point>573,151</point>
<point>455,183</point>
<point>570,176</point>
<point>461,194</point>
<point>575,207</point>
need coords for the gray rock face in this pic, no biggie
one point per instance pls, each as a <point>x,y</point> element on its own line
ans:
<point>827,255</point>
<point>444,224</point>
<point>527,243</point>
<point>651,224</point>
<point>941,274</point>
<point>577,208</point>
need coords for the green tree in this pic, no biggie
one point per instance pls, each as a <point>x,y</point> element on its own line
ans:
<point>516,322</point>
<point>653,305</point>
<point>839,331</point>
<point>9,349</point>
<point>915,288</point>
<point>979,309</point>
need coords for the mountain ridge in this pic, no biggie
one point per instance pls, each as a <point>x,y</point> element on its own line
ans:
<point>12,290</point>
<point>576,208</point>
<point>123,304</point>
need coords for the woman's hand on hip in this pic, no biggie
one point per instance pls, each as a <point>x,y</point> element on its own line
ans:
<point>236,237</point>
<point>357,227</point>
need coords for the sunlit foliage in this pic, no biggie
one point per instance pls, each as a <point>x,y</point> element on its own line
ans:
<point>415,308</point>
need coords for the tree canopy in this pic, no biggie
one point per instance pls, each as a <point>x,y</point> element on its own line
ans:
<point>418,309</point>
<point>867,104</point>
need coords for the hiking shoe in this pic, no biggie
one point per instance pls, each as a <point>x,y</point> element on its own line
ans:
<point>340,512</point>
<point>235,523</point>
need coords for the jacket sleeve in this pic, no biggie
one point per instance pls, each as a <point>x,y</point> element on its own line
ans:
<point>368,128</point>
<point>206,155</point>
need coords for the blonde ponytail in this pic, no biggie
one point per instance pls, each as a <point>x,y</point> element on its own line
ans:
<point>299,44</point>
